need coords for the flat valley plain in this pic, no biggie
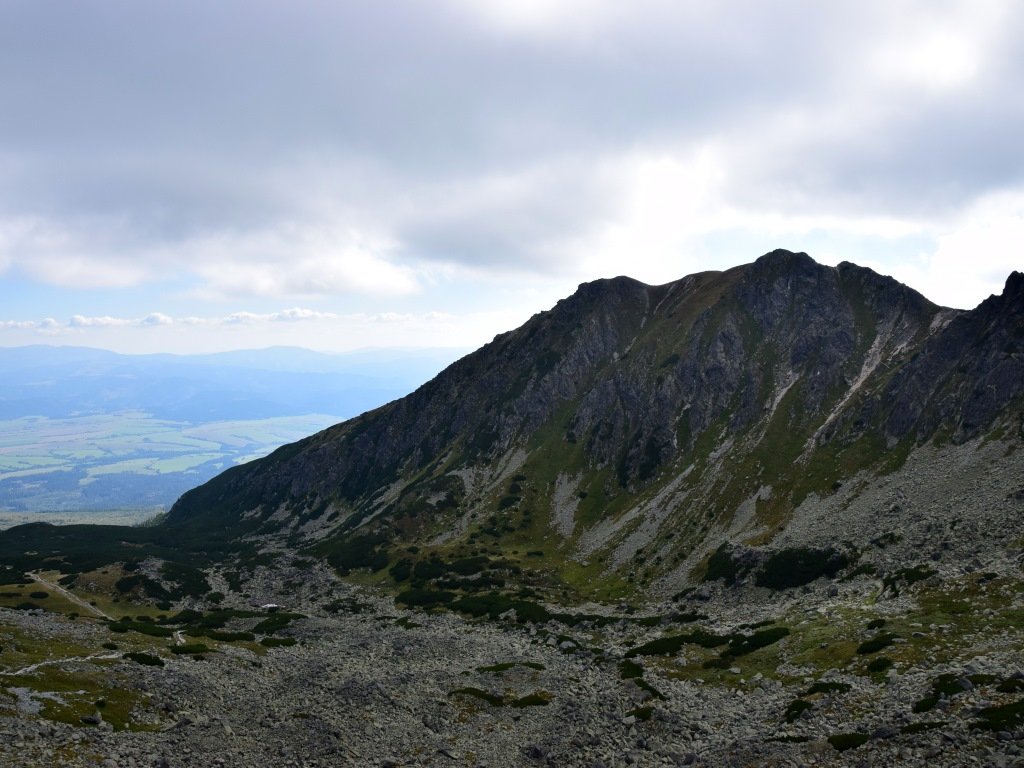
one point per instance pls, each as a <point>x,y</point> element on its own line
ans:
<point>124,467</point>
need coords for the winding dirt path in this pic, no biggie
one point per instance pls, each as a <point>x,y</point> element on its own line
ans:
<point>52,662</point>
<point>71,596</point>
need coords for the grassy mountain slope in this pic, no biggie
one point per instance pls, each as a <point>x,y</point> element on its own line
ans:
<point>622,435</point>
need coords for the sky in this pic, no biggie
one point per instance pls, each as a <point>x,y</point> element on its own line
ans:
<point>191,176</point>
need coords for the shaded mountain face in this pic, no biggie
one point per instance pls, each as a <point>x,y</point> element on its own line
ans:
<point>631,429</point>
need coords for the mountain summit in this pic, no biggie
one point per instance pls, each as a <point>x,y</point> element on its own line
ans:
<point>631,430</point>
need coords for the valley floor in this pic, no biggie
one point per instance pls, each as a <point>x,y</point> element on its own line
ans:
<point>369,684</point>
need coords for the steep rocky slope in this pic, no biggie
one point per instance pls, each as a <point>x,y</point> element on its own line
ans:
<point>630,430</point>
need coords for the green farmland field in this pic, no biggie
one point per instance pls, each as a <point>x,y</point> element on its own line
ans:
<point>125,464</point>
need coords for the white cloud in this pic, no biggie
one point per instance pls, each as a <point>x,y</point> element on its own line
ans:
<point>79,321</point>
<point>309,259</point>
<point>975,253</point>
<point>295,314</point>
<point>940,47</point>
<point>156,318</point>
<point>562,18</point>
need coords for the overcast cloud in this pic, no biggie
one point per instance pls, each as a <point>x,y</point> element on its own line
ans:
<point>476,160</point>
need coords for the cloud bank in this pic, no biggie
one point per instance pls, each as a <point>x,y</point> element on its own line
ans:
<point>412,155</point>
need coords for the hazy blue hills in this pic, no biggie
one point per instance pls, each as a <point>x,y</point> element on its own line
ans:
<point>60,382</point>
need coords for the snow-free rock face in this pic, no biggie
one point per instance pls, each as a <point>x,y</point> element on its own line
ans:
<point>681,415</point>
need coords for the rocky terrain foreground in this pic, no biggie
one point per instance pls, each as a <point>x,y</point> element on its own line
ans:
<point>766,516</point>
<point>385,687</point>
<point>295,667</point>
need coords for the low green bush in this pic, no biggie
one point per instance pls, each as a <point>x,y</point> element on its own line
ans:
<point>666,646</point>
<point>796,708</point>
<point>642,713</point>
<point>879,664</point>
<point>797,566</point>
<point>844,741</point>
<point>535,699</point>
<point>275,622</point>
<point>424,598</point>
<point>925,704</point>
<point>875,644</point>
<point>1007,717</point>
<point>142,627</point>
<point>741,645</point>
<point>630,670</point>
<point>189,649</point>
<point>145,659</point>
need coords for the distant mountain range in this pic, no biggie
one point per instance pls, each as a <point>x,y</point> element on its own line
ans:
<point>61,382</point>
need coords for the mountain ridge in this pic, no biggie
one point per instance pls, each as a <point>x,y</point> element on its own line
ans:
<point>698,393</point>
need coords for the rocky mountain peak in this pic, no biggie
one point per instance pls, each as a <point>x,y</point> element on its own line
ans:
<point>629,411</point>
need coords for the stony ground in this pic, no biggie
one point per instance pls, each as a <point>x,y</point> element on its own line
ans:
<point>914,655</point>
<point>376,685</point>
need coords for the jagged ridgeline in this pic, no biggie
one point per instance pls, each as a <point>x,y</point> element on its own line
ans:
<point>620,438</point>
